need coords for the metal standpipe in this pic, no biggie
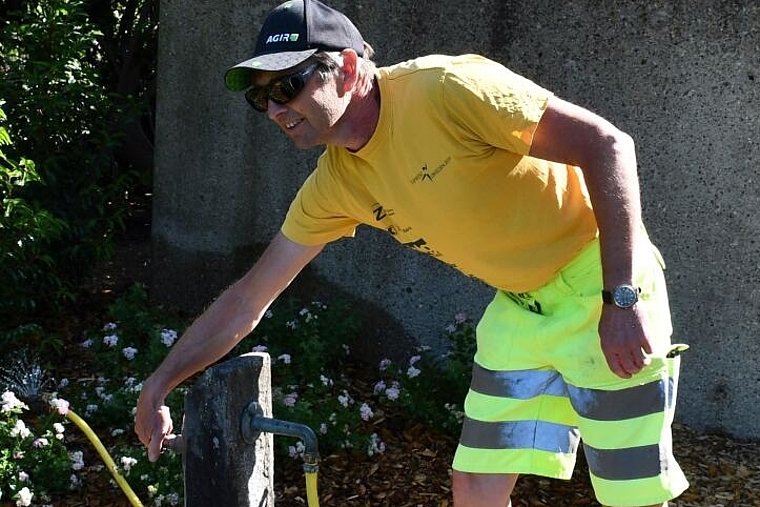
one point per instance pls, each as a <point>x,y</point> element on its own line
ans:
<point>253,423</point>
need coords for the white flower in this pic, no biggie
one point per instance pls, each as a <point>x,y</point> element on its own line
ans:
<point>413,360</point>
<point>460,317</point>
<point>323,428</point>
<point>393,392</point>
<point>58,427</point>
<point>87,343</point>
<point>451,328</point>
<point>285,358</point>
<point>40,443</point>
<point>345,399</point>
<point>173,498</point>
<point>77,462</point>
<point>110,326</point>
<point>379,387</point>
<point>127,463</point>
<point>412,372</point>
<point>366,412</point>
<point>384,364</point>
<point>259,348</point>
<point>268,314</point>
<point>376,446</point>
<point>23,476</point>
<point>20,430</point>
<point>24,497</point>
<point>168,337</point>
<point>297,450</point>
<point>290,400</point>
<point>111,340</point>
<point>129,352</point>
<point>10,401</point>
<point>327,382</point>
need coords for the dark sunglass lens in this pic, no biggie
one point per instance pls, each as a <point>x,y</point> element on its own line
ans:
<point>286,89</point>
<point>280,91</point>
<point>256,97</point>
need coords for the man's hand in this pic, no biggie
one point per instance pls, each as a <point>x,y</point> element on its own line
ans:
<point>624,339</point>
<point>153,423</point>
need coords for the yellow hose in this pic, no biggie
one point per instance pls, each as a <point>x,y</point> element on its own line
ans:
<point>311,489</point>
<point>106,458</point>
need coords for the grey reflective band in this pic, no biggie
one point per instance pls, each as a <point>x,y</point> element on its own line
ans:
<point>594,404</point>
<point>540,435</point>
<point>624,404</point>
<point>520,384</point>
<point>626,464</point>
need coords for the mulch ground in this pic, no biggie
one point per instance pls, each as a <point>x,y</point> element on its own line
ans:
<point>414,472</point>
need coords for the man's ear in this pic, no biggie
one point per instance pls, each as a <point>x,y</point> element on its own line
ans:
<point>350,69</point>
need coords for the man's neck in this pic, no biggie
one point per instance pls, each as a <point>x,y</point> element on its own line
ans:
<point>361,118</point>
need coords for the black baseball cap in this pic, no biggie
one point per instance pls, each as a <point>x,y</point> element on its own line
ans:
<point>291,33</point>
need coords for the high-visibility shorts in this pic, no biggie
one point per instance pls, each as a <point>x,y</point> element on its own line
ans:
<point>541,385</point>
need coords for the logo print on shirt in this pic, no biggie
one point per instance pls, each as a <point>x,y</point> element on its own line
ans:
<point>379,212</point>
<point>384,216</point>
<point>426,175</point>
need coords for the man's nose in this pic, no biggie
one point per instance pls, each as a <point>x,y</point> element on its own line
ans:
<point>274,109</point>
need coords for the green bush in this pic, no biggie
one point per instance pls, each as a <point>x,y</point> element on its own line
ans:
<point>63,118</point>
<point>27,233</point>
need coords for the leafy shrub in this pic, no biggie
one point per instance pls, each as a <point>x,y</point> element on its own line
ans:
<point>62,118</point>
<point>27,233</point>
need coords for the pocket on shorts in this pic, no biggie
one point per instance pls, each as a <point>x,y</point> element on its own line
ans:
<point>504,323</point>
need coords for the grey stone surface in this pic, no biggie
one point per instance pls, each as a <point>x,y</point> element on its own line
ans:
<point>221,468</point>
<point>680,77</point>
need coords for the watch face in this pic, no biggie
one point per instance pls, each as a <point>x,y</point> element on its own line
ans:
<point>625,296</point>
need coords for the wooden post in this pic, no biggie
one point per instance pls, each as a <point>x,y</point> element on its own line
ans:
<point>220,468</point>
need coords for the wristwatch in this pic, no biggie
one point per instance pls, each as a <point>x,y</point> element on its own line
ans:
<point>622,296</point>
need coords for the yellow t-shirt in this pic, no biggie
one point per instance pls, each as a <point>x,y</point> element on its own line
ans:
<point>446,173</point>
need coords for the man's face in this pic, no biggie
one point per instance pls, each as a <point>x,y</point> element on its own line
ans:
<point>309,119</point>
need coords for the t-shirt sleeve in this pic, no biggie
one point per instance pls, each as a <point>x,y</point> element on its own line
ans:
<point>493,104</point>
<point>316,215</point>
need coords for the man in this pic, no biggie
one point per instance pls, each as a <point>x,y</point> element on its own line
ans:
<point>460,158</point>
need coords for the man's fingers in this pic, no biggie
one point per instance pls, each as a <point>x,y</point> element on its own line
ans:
<point>162,426</point>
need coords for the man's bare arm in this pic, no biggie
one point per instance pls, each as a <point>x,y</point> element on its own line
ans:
<point>227,321</point>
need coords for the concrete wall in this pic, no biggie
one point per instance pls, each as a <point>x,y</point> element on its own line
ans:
<point>681,77</point>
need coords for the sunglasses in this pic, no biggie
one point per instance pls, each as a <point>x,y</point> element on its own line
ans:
<point>279,91</point>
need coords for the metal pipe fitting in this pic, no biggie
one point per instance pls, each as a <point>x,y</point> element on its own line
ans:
<point>253,423</point>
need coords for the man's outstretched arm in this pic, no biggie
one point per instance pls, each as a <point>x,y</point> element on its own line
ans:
<point>227,321</point>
